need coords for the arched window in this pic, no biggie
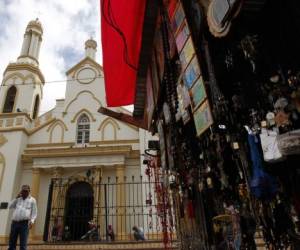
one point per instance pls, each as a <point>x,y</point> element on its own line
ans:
<point>10,100</point>
<point>36,107</point>
<point>83,129</point>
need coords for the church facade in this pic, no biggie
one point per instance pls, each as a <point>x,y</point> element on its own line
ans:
<point>69,154</point>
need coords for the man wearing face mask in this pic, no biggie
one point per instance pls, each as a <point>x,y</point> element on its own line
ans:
<point>24,215</point>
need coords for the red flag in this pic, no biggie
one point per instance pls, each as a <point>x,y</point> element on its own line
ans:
<point>121,27</point>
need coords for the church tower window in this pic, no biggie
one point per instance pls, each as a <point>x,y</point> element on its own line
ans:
<point>36,107</point>
<point>83,129</point>
<point>10,100</point>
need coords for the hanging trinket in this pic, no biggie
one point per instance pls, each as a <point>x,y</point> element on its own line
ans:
<point>248,45</point>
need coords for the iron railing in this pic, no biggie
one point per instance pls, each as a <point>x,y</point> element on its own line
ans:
<point>115,206</point>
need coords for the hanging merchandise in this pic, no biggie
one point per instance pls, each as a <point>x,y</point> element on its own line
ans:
<point>203,118</point>
<point>263,186</point>
<point>167,113</point>
<point>296,99</point>
<point>236,229</point>
<point>229,60</point>
<point>162,144</point>
<point>289,143</point>
<point>269,145</point>
<point>248,46</point>
<point>270,117</point>
<point>163,208</point>
<point>220,15</point>
<point>184,102</point>
<point>191,70</point>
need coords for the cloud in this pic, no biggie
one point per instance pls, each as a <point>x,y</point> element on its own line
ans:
<point>67,25</point>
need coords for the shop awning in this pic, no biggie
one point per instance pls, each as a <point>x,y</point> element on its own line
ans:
<point>121,28</point>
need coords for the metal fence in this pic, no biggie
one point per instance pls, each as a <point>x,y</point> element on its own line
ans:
<point>113,207</point>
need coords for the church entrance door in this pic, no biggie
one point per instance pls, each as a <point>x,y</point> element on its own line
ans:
<point>79,209</point>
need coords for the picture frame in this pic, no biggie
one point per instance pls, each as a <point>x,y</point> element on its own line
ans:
<point>172,6</point>
<point>187,53</point>
<point>203,118</point>
<point>198,93</point>
<point>182,36</point>
<point>178,18</point>
<point>191,73</point>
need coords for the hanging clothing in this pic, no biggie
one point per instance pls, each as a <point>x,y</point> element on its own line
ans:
<point>263,186</point>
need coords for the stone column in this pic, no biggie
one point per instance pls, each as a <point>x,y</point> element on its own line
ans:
<point>25,45</point>
<point>56,174</point>
<point>121,201</point>
<point>97,197</point>
<point>33,45</point>
<point>35,186</point>
<point>37,52</point>
<point>58,198</point>
<point>34,191</point>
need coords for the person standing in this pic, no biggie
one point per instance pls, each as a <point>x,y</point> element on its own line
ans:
<point>23,218</point>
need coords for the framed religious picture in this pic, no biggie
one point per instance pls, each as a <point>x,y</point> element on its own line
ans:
<point>191,73</point>
<point>203,118</point>
<point>172,5</point>
<point>178,18</point>
<point>187,53</point>
<point>198,93</point>
<point>182,35</point>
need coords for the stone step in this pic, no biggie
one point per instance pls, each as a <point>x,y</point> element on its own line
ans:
<point>148,245</point>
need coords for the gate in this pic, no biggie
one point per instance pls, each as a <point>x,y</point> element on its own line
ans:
<point>78,209</point>
<point>114,206</point>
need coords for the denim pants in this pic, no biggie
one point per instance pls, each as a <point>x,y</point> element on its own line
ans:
<point>18,229</point>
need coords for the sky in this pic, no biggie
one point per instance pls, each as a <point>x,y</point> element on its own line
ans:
<point>67,24</point>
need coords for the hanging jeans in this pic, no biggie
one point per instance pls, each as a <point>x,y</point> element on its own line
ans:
<point>237,241</point>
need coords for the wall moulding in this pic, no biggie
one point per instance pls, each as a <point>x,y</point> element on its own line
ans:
<point>30,154</point>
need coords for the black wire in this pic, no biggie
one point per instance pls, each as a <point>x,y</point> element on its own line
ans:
<point>111,22</point>
<point>55,81</point>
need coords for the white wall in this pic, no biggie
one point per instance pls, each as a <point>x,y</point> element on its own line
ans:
<point>12,150</point>
<point>87,97</point>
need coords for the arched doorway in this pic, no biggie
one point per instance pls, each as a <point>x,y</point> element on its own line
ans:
<point>79,209</point>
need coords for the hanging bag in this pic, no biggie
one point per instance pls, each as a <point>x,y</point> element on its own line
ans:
<point>269,145</point>
<point>289,143</point>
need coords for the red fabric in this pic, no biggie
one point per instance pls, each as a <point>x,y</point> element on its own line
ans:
<point>119,77</point>
<point>190,209</point>
<point>172,7</point>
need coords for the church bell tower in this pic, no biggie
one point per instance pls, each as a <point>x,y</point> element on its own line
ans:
<point>22,85</point>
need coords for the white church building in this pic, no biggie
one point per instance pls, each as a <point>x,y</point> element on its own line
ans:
<point>75,159</point>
